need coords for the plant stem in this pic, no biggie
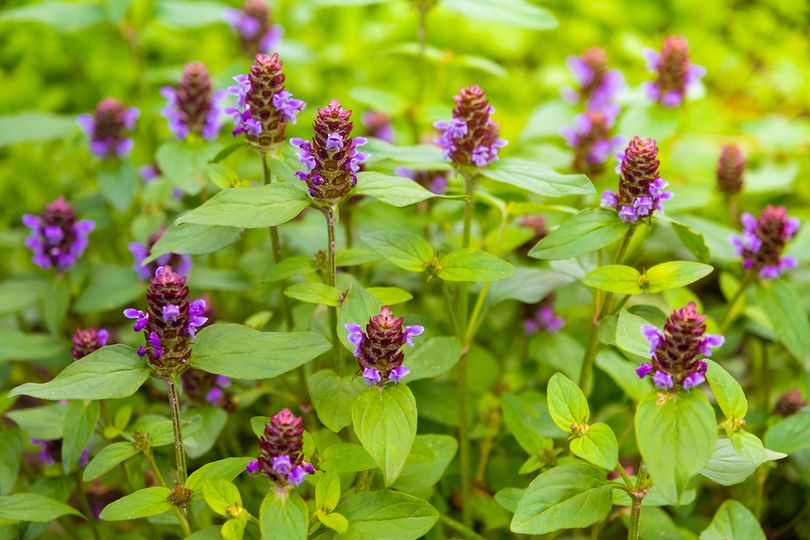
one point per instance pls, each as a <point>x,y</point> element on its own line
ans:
<point>184,524</point>
<point>86,506</point>
<point>638,499</point>
<point>728,316</point>
<point>179,451</point>
<point>331,272</point>
<point>289,321</point>
<point>460,528</point>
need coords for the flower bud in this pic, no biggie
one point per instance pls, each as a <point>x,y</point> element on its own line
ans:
<point>730,169</point>
<point>106,128</point>
<point>471,136</point>
<point>379,349</point>
<point>182,263</point>
<point>763,241</point>
<point>790,403</point>
<point>676,351</point>
<point>192,106</point>
<point>87,340</point>
<point>57,239</point>
<point>252,23</point>
<point>675,73</point>
<point>598,85</point>
<point>591,140</point>
<point>282,457</point>
<point>331,159</point>
<point>203,387</point>
<point>641,190</point>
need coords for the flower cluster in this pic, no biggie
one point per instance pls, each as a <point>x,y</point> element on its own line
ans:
<point>192,107</point>
<point>379,349</point>
<point>50,452</point>
<point>543,318</point>
<point>282,456</point>
<point>252,23</point>
<point>676,350</point>
<point>675,73</point>
<point>471,136</point>
<point>378,125</point>
<point>730,169</point>
<point>591,140</point>
<point>331,160</point>
<point>106,128</point>
<point>598,85</point>
<point>202,386</point>
<point>170,322</point>
<point>263,106</point>
<point>763,241</point>
<point>57,239</point>
<point>641,190</point>
<point>181,263</point>
<point>87,340</point>
<point>435,181</point>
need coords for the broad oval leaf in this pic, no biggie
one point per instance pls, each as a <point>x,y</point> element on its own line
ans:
<point>615,278</point>
<point>538,179</point>
<point>80,422</point>
<point>517,13</point>
<point>727,391</point>
<point>429,458</point>
<point>394,190</point>
<point>674,274</point>
<point>733,520</point>
<point>24,346</point>
<point>283,515</point>
<point>240,352</point>
<point>587,231</point>
<point>333,396</point>
<point>567,404</point>
<point>403,249</point>
<point>433,357</point>
<point>347,457</point>
<point>473,265</point>
<point>193,239</point>
<point>780,302</point>
<point>249,208</point>
<point>791,434</point>
<point>33,507</point>
<point>225,469</point>
<point>143,503</point>
<point>386,515</point>
<point>737,458</point>
<point>108,458</point>
<point>598,446</point>
<point>384,420</point>
<point>112,372</point>
<point>313,292</point>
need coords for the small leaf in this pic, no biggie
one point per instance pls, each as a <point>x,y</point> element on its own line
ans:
<point>524,420</point>
<point>220,495</point>
<point>791,434</point>
<point>289,267</point>
<point>393,190</point>
<point>143,503</point>
<point>333,396</point>
<point>313,292</point>
<point>248,208</point>
<point>674,274</point>
<point>692,240</point>
<point>585,232</point>
<point>538,179</point>
<point>433,357</point>
<point>80,422</point>
<point>386,515</point>
<point>737,458</point>
<point>347,457</point>
<point>184,163</point>
<point>108,458</point>
<point>405,250</point>
<point>733,521</point>
<point>473,265</point>
<point>623,374</point>
<point>727,391</point>
<point>384,420</point>
<point>390,296</point>
<point>598,446</point>
<point>327,491</point>
<point>567,404</point>
<point>614,278</point>
<point>283,515</point>
<point>33,507</point>
<point>225,469</point>
<point>193,240</point>
<point>335,521</point>
<point>780,302</point>
<point>629,337</point>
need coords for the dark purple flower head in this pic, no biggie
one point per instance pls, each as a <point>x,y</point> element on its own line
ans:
<point>263,106</point>
<point>181,263</point>
<point>675,73</point>
<point>676,351</point>
<point>730,169</point>
<point>470,138</point>
<point>331,159</point>
<point>641,190</point>
<point>50,452</point>
<point>192,107</point>
<point>282,455</point>
<point>790,403</point>
<point>435,181</point>
<point>169,323</point>
<point>204,387</point>
<point>87,340</point>
<point>378,125</point>
<point>764,239</point>
<point>252,23</point>
<point>598,85</point>
<point>107,126</point>
<point>57,239</point>
<point>379,349</point>
<point>591,140</point>
<point>543,318</point>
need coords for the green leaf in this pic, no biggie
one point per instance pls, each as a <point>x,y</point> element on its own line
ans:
<point>517,13</point>
<point>737,458</point>
<point>234,529</point>
<point>403,249</point>
<point>80,422</point>
<point>394,190</point>
<point>250,208</point>
<point>585,232</point>
<point>537,179</point>
<point>733,521</point>
<point>386,515</point>
<point>384,420</point>
<point>629,337</point>
<point>347,457</point>
<point>184,163</point>
<point>112,372</point>
<point>222,175</point>
<point>283,515</point>
<point>182,14</point>
<point>56,303</point>
<point>225,469</point>
<point>433,357</point>
<point>240,352</point>
<point>46,422</point>
<point>335,521</point>
<point>614,278</point>
<point>674,274</point>
<point>791,434</point>
<point>33,126</point>
<point>220,494</point>
<point>390,296</point>
<point>193,240</point>
<point>691,240</point>
<point>289,267</point>
<point>570,496</point>
<point>422,157</point>
<point>427,462</point>
<point>327,491</point>
<point>117,183</point>
<point>524,421</point>
<point>676,437</point>
<point>473,265</point>
<point>61,16</point>
<point>143,503</point>
<point>598,446</point>
<point>110,287</point>
<point>108,458</point>
<point>313,292</point>
<point>19,294</point>
<point>567,404</point>
<point>10,457</point>
<point>20,346</point>
<point>727,391</point>
<point>33,507</point>
<point>623,374</point>
<point>333,396</point>
<point>780,302</point>
<point>527,285</point>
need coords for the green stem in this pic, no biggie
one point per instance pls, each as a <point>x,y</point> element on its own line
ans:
<point>289,321</point>
<point>86,506</point>
<point>184,524</point>
<point>460,528</point>
<point>331,272</point>
<point>638,499</point>
<point>179,451</point>
<point>728,316</point>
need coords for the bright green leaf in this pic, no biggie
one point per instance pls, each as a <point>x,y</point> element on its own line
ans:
<point>142,503</point>
<point>585,232</point>
<point>614,278</point>
<point>473,265</point>
<point>567,404</point>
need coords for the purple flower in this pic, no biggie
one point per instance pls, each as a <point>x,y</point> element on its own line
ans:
<point>170,313</point>
<point>411,332</point>
<point>371,376</point>
<point>192,107</point>
<point>214,396</point>
<point>297,476</point>
<point>282,464</point>
<point>598,85</point>
<point>398,373</point>
<point>282,458</point>
<point>641,190</point>
<point>106,128</point>
<point>643,370</point>
<point>57,239</point>
<point>591,140</point>
<point>86,341</point>
<point>544,319</point>
<point>196,308</point>
<point>379,349</point>
<point>139,316</point>
<point>288,106</point>
<point>378,125</point>
<point>253,466</point>
<point>675,73</point>
<point>653,336</point>
<point>252,24</point>
<point>763,241</point>
<point>181,263</point>
<point>356,336</point>
<point>662,379</point>
<point>154,341</point>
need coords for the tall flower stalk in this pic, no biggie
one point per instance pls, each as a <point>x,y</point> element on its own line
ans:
<point>263,110</point>
<point>470,140</point>
<point>331,160</point>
